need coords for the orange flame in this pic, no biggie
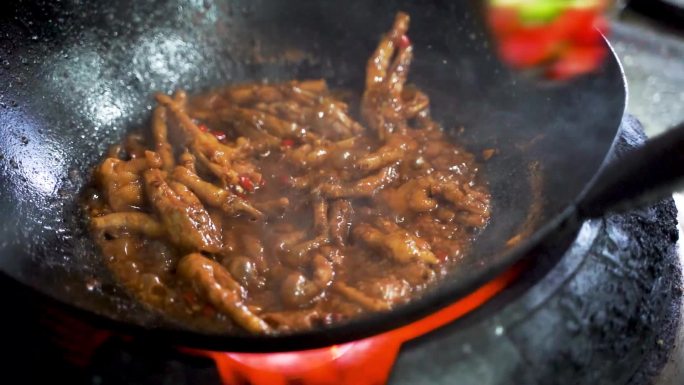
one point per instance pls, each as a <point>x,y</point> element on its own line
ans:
<point>363,362</point>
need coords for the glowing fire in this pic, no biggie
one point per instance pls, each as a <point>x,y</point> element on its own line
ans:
<point>363,362</point>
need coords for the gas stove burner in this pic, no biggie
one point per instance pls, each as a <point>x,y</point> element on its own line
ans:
<point>602,310</point>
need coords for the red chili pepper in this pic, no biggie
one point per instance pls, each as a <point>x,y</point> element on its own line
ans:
<point>404,41</point>
<point>287,143</point>
<point>246,183</point>
<point>441,255</point>
<point>241,195</point>
<point>203,128</point>
<point>220,135</point>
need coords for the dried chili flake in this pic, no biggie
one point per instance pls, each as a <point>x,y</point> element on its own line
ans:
<point>441,255</point>
<point>246,183</point>
<point>404,41</point>
<point>287,143</point>
<point>220,135</point>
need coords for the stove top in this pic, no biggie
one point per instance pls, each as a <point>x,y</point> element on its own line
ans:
<point>607,313</point>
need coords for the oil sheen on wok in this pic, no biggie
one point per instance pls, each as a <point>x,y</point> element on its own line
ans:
<point>279,207</point>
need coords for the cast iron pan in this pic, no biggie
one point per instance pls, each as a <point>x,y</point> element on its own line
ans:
<point>74,78</point>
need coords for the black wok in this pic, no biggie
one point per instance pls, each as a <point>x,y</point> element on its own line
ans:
<point>75,77</point>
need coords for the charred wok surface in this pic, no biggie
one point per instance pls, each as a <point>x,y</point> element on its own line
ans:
<point>271,208</point>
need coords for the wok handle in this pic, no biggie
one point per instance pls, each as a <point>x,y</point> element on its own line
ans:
<point>648,173</point>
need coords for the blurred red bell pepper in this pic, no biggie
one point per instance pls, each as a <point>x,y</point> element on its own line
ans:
<point>561,37</point>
